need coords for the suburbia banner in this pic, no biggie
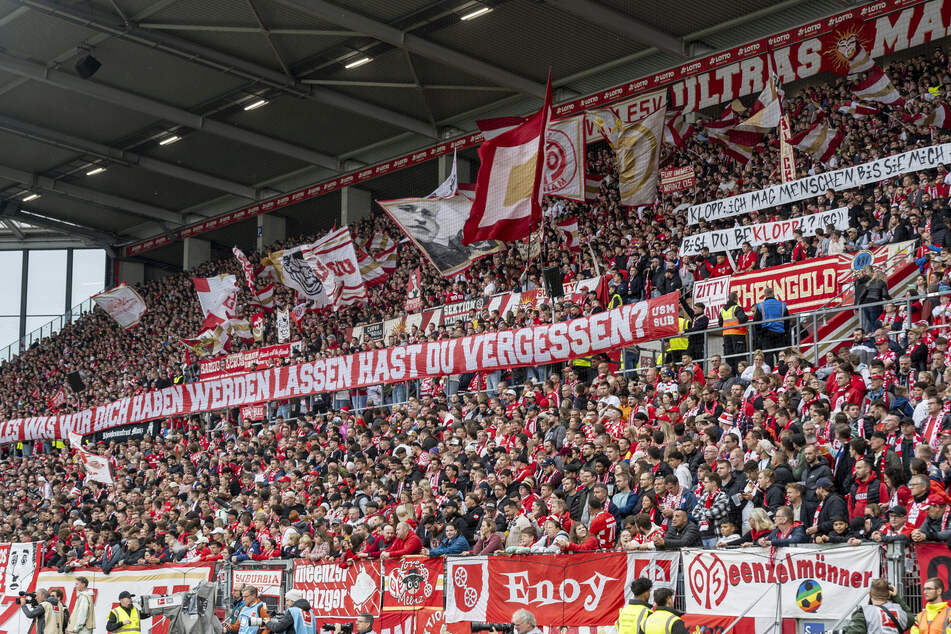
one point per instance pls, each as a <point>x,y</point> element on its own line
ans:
<point>578,590</point>
<point>820,584</point>
<point>547,343</point>
<point>241,362</point>
<point>811,186</point>
<point>764,233</point>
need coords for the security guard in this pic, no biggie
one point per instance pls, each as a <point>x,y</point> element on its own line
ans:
<point>631,618</point>
<point>677,345</point>
<point>772,333</point>
<point>253,613</point>
<point>732,317</point>
<point>665,619</point>
<point>297,618</point>
<point>125,618</point>
<point>934,618</point>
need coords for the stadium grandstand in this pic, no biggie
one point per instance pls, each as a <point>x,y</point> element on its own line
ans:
<point>421,317</point>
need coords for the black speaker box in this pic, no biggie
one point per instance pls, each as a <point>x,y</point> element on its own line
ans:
<point>75,382</point>
<point>87,66</point>
<point>552,278</point>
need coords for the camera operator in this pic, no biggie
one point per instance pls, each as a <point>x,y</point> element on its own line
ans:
<point>297,618</point>
<point>524,622</point>
<point>44,610</point>
<point>885,608</point>
<point>364,625</point>
<point>125,618</point>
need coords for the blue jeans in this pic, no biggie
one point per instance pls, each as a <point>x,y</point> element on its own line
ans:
<point>398,395</point>
<point>492,382</point>
<point>709,542</point>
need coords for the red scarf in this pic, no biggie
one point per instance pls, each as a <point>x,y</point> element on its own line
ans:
<point>709,501</point>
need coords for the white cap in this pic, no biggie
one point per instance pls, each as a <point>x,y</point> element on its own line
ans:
<point>293,595</point>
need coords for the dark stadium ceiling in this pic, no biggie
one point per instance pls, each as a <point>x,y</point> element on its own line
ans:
<point>190,69</point>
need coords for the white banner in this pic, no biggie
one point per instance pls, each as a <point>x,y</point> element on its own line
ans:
<point>810,186</point>
<point>764,233</point>
<point>267,581</point>
<point>283,326</point>
<point>712,293</point>
<point>97,467</point>
<point>106,588</point>
<point>564,158</point>
<point>123,304</point>
<point>19,563</point>
<point>813,583</point>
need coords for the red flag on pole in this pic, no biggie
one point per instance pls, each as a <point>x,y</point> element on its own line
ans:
<point>507,202</point>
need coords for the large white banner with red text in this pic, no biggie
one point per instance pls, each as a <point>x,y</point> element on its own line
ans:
<point>138,580</point>
<point>546,343</point>
<point>241,362</point>
<point>585,589</point>
<point>817,584</point>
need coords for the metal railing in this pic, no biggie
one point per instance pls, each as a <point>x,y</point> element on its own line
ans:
<point>801,330</point>
<point>46,330</point>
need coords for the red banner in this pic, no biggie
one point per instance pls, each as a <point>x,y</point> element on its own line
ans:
<point>255,412</point>
<point>934,560</point>
<point>546,343</point>
<point>242,362</point>
<point>337,592</point>
<point>677,179</point>
<point>413,583</point>
<point>708,624</point>
<point>574,590</point>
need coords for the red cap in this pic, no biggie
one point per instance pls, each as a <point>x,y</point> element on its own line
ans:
<point>881,339</point>
<point>877,376</point>
<point>936,500</point>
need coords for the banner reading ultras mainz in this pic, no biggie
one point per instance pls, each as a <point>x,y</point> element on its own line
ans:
<point>546,343</point>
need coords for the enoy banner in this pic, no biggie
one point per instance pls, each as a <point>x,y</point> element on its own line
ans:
<point>542,344</point>
<point>576,590</point>
<point>764,233</point>
<point>818,584</point>
<point>811,186</point>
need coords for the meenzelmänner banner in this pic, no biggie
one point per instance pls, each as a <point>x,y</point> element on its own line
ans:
<point>764,233</point>
<point>807,583</point>
<point>839,180</point>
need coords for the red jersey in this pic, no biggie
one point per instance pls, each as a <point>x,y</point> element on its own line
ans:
<point>604,527</point>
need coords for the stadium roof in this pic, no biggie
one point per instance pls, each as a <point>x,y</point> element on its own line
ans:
<point>203,106</point>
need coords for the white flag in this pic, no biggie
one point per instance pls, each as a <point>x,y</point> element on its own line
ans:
<point>283,326</point>
<point>123,304</point>
<point>218,297</point>
<point>97,467</point>
<point>446,189</point>
<point>564,158</point>
<point>638,158</point>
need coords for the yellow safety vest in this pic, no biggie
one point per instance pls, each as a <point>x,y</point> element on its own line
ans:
<point>615,301</point>
<point>660,621</point>
<point>59,444</point>
<point>679,343</point>
<point>731,323</point>
<point>630,620</point>
<point>132,617</point>
<point>583,362</point>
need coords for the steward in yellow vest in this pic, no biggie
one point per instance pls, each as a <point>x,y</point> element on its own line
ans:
<point>665,619</point>
<point>631,618</point>
<point>125,618</point>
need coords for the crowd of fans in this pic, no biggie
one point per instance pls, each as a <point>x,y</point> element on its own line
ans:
<point>771,450</point>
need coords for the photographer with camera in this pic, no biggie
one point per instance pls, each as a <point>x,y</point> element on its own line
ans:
<point>43,609</point>
<point>885,611</point>
<point>125,618</point>
<point>297,617</point>
<point>523,622</point>
<point>364,625</point>
<point>252,615</point>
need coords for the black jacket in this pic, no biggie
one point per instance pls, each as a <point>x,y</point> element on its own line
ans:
<point>285,622</point>
<point>770,499</point>
<point>686,537</point>
<point>833,506</point>
<point>37,614</point>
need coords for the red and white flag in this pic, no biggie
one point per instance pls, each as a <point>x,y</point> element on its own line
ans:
<point>568,227</point>
<point>736,144</point>
<point>606,123</point>
<point>676,128</point>
<point>298,313</point>
<point>414,295</point>
<point>336,251</point>
<point>592,186</point>
<point>370,269</point>
<point>389,258</point>
<point>507,203</point>
<point>492,128</point>
<point>97,467</point>
<point>767,109</point>
<point>57,400</point>
<point>729,118</point>
<point>264,298</point>
<point>858,110</point>
<point>218,297</point>
<point>820,140</point>
<point>940,117</point>
<point>123,303</point>
<point>878,87</point>
<point>245,267</point>
<point>257,326</point>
